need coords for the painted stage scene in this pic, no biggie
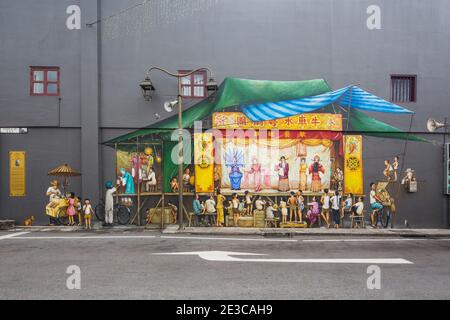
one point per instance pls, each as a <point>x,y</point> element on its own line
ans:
<point>264,165</point>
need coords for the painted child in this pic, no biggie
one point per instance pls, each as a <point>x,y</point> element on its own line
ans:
<point>388,170</point>
<point>186,180</point>
<point>235,205</point>
<point>284,211</point>
<point>358,209</point>
<point>347,205</point>
<point>313,212</point>
<point>88,212</point>
<point>395,166</point>
<point>293,207</point>
<point>79,208</point>
<point>71,211</point>
<point>325,200</point>
<point>375,204</point>
<point>174,186</point>
<point>335,201</point>
<point>300,204</point>
<point>248,203</point>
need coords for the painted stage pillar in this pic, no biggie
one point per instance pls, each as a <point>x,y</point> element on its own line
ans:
<point>353,165</point>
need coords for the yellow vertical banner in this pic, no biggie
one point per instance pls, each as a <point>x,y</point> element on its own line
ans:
<point>353,165</point>
<point>17,173</point>
<point>204,162</point>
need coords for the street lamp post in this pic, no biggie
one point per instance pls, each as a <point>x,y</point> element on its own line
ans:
<point>147,90</point>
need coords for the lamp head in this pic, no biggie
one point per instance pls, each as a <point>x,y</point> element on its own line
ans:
<point>211,85</point>
<point>147,88</point>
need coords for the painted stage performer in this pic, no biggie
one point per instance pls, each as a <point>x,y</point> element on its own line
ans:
<point>315,170</point>
<point>136,171</point>
<point>127,181</point>
<point>267,173</point>
<point>303,183</point>
<point>217,176</point>
<point>55,197</point>
<point>283,174</point>
<point>256,171</point>
<point>338,177</point>
<point>235,159</point>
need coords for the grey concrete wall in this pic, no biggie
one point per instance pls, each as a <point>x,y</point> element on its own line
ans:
<point>45,149</point>
<point>34,33</point>
<point>256,39</point>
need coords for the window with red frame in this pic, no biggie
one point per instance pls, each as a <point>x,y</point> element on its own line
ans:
<point>44,81</point>
<point>194,85</point>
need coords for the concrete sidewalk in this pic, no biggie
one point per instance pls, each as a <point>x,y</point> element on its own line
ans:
<point>232,231</point>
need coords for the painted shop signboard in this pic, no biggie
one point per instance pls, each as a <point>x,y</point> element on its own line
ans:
<point>17,167</point>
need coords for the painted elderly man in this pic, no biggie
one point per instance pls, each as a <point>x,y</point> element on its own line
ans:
<point>109,204</point>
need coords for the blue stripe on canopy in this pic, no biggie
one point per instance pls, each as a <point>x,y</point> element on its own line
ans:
<point>360,99</point>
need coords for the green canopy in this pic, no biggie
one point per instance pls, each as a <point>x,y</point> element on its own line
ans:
<point>233,92</point>
<point>238,92</point>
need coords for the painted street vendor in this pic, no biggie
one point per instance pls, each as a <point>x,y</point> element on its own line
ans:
<point>55,201</point>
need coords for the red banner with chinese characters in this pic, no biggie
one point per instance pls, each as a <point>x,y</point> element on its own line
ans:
<point>306,121</point>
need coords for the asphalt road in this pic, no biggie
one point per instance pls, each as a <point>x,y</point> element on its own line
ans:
<point>125,266</point>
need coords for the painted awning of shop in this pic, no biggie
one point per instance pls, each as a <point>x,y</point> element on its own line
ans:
<point>351,96</point>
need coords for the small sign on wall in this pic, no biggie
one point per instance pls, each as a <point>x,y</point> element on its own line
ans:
<point>17,167</point>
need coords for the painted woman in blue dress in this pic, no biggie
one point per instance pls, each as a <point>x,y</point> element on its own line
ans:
<point>127,181</point>
<point>235,159</point>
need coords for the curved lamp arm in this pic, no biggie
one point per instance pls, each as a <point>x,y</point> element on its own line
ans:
<point>181,75</point>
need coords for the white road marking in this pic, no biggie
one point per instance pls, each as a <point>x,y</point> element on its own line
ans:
<point>229,239</point>
<point>225,256</point>
<point>84,237</point>
<point>366,240</point>
<point>12,235</point>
